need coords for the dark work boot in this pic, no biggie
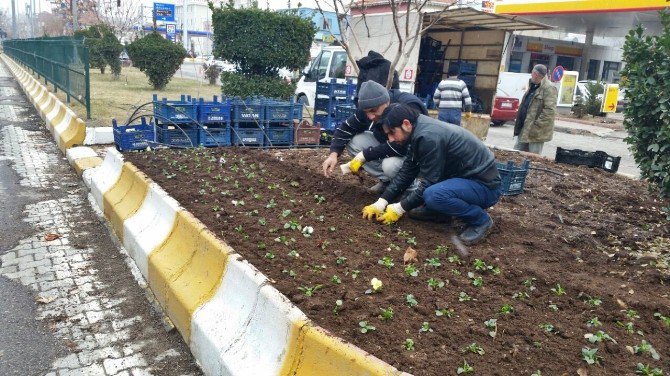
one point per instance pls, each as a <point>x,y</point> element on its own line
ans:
<point>424,214</point>
<point>379,188</point>
<point>474,234</point>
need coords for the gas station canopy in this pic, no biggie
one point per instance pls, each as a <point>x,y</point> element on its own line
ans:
<point>468,18</point>
<point>607,18</point>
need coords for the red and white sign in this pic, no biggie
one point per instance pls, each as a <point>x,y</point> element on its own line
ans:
<point>348,69</point>
<point>408,74</point>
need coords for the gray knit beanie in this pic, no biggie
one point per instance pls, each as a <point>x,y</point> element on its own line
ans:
<point>372,95</point>
<point>541,69</point>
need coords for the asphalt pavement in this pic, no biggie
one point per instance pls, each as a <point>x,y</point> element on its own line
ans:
<point>574,135</point>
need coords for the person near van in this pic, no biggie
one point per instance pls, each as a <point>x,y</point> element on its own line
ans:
<point>362,136</point>
<point>456,173</point>
<point>535,119</point>
<point>376,68</point>
<point>451,95</point>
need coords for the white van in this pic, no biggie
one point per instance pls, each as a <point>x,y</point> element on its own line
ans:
<point>331,62</point>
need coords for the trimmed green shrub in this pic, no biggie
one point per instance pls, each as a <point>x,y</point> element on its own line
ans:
<point>260,42</point>
<point>646,78</point>
<point>235,84</point>
<point>593,101</point>
<point>104,48</point>
<point>157,57</point>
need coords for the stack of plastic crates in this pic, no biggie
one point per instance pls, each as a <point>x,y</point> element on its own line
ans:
<point>247,118</point>
<point>133,136</point>
<point>279,117</point>
<point>176,121</point>
<point>215,122</point>
<point>330,95</point>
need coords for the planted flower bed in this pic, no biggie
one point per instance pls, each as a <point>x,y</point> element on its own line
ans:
<point>574,275</point>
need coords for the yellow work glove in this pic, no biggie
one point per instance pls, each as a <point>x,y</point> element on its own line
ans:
<point>356,163</point>
<point>468,115</point>
<point>392,214</point>
<point>375,210</point>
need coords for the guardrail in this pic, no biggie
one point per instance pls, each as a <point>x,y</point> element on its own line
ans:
<point>61,61</point>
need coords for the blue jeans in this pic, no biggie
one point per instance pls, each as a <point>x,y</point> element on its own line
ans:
<point>450,115</point>
<point>462,198</point>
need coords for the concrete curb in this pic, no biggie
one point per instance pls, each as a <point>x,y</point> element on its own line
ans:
<point>233,320</point>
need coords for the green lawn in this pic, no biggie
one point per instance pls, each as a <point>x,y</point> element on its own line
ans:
<point>119,98</point>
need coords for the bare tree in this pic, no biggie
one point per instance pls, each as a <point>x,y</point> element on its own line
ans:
<point>122,18</point>
<point>410,19</point>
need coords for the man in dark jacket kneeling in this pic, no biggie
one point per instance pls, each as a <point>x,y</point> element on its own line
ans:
<point>456,173</point>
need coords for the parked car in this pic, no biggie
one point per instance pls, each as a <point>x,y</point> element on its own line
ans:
<point>329,63</point>
<point>224,65</point>
<point>509,92</point>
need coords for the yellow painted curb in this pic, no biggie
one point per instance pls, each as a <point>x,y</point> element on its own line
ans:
<point>82,164</point>
<point>313,351</point>
<point>124,198</point>
<point>186,270</point>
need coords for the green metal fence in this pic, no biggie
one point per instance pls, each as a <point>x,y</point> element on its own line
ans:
<point>61,61</point>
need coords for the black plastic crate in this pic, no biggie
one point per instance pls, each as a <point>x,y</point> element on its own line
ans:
<point>214,135</point>
<point>214,111</point>
<point>579,157</point>
<point>133,136</point>
<point>182,111</point>
<point>279,135</point>
<point>513,177</point>
<point>183,136</point>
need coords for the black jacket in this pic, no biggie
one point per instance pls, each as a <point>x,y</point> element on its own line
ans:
<point>374,67</point>
<point>358,122</point>
<point>439,151</point>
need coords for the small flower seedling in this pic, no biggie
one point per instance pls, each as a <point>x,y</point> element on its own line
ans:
<point>294,253</point>
<point>441,249</point>
<point>521,295</point>
<point>464,297</point>
<point>340,260</point>
<point>632,314</point>
<point>411,300</point>
<point>553,307</point>
<point>434,262</point>
<point>479,265</point>
<point>465,368</point>
<point>387,314</point>
<point>664,319</point>
<point>492,326</point>
<point>338,306</point>
<point>590,357</point>
<point>307,231</point>
<point>446,312</point>
<point>335,279</point>
<point>600,336</point>
<point>425,327</point>
<point>411,270</point>
<point>435,284</point>
<point>409,344</point>
<point>454,259</point>
<point>506,309</point>
<point>558,290</point>
<point>529,283</point>
<point>365,327</point>
<point>477,282</point>
<point>548,328</point>
<point>319,199</point>
<point>646,348</point>
<point>269,255</point>
<point>646,370</point>
<point>310,290</point>
<point>594,322</point>
<point>386,261</point>
<point>376,284</point>
<point>290,273</point>
<point>474,348</point>
<point>411,240</point>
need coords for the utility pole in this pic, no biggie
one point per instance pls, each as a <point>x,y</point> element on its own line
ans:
<point>75,13</point>
<point>184,27</point>
<point>14,19</point>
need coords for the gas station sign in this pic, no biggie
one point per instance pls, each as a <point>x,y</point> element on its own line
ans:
<point>610,98</point>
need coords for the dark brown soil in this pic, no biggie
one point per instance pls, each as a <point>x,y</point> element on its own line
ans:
<point>602,237</point>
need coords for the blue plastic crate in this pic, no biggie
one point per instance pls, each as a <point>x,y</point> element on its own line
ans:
<point>248,136</point>
<point>184,136</point>
<point>184,110</point>
<point>214,111</point>
<point>464,67</point>
<point>279,135</point>
<point>325,105</point>
<point>278,111</point>
<point>469,80</point>
<point>214,135</point>
<point>513,177</point>
<point>333,88</point>
<point>344,111</point>
<point>328,123</point>
<point>247,111</point>
<point>133,137</point>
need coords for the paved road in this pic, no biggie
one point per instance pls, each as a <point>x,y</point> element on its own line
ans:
<point>191,71</point>
<point>69,305</point>
<point>570,135</point>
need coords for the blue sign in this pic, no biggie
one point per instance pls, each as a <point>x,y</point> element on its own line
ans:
<point>557,73</point>
<point>170,31</point>
<point>164,12</point>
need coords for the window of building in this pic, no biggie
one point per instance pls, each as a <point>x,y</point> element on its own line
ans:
<point>609,66</point>
<point>594,65</point>
<point>515,62</point>
<point>567,62</point>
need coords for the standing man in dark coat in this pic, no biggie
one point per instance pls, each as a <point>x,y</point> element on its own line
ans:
<point>374,68</point>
